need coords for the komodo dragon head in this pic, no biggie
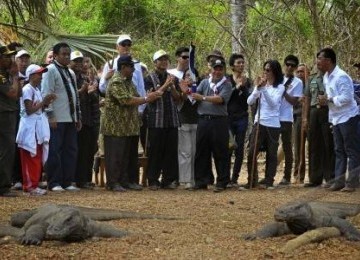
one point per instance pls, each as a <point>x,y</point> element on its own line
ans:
<point>69,224</point>
<point>298,216</point>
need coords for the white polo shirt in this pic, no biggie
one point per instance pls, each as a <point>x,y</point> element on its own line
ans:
<point>270,100</point>
<point>339,87</point>
<point>295,89</point>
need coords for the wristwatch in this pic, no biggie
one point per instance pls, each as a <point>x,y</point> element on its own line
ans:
<point>204,98</point>
<point>145,98</point>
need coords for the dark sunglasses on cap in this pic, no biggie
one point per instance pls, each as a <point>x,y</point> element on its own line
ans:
<point>126,44</point>
<point>184,57</point>
<point>290,65</point>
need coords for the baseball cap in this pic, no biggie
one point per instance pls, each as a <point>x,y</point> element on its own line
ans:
<point>126,59</point>
<point>357,65</point>
<point>214,54</point>
<point>123,37</point>
<point>218,63</point>
<point>75,55</point>
<point>159,54</point>
<point>33,69</point>
<point>22,53</point>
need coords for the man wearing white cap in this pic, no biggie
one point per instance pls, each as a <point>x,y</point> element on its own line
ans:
<point>88,135</point>
<point>163,123</point>
<point>22,59</point>
<point>123,46</point>
<point>34,133</point>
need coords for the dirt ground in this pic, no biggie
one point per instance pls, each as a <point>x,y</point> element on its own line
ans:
<point>210,225</point>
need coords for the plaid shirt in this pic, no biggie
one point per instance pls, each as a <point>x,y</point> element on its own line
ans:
<point>163,112</point>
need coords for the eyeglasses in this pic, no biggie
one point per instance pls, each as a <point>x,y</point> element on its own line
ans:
<point>184,57</point>
<point>125,44</point>
<point>290,65</point>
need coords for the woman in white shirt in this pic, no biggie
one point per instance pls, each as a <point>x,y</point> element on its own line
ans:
<point>34,133</point>
<point>267,96</point>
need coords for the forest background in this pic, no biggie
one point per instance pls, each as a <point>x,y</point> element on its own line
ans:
<point>259,29</point>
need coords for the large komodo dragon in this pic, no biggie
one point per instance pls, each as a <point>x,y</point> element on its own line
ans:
<point>66,223</point>
<point>299,217</point>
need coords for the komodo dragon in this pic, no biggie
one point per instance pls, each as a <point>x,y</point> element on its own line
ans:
<point>299,217</point>
<point>65,223</point>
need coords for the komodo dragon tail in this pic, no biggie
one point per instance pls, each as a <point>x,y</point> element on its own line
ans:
<point>6,230</point>
<point>111,214</point>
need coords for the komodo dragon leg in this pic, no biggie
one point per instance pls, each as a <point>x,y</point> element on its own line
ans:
<point>34,235</point>
<point>270,230</point>
<point>104,230</point>
<point>345,227</point>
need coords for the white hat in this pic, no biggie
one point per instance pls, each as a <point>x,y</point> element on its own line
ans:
<point>75,55</point>
<point>159,54</point>
<point>33,68</point>
<point>143,65</point>
<point>123,37</point>
<point>22,53</point>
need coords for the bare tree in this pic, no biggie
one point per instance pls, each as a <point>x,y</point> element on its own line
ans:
<point>238,19</point>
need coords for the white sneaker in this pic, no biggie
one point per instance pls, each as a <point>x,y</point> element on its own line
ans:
<point>17,186</point>
<point>57,188</point>
<point>37,192</point>
<point>72,188</point>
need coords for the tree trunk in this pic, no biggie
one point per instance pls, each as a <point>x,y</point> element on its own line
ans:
<point>238,18</point>
<point>315,23</point>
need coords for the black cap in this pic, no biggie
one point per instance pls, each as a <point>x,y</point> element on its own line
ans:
<point>214,54</point>
<point>357,65</point>
<point>6,51</point>
<point>126,60</point>
<point>218,63</point>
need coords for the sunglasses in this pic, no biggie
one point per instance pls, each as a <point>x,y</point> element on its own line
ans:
<point>184,57</point>
<point>125,44</point>
<point>290,65</point>
<point>267,70</point>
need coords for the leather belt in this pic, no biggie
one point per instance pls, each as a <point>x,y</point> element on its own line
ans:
<point>210,117</point>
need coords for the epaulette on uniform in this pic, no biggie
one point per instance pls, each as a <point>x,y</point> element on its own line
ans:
<point>3,79</point>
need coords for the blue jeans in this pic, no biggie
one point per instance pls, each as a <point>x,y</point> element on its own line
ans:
<point>238,129</point>
<point>61,163</point>
<point>347,152</point>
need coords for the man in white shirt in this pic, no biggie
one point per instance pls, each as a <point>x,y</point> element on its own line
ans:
<point>123,47</point>
<point>293,90</point>
<point>343,114</point>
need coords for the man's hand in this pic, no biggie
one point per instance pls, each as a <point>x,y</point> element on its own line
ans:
<point>78,125</point>
<point>48,99</point>
<point>197,96</point>
<point>152,96</point>
<point>109,74</point>
<point>53,124</point>
<point>323,100</point>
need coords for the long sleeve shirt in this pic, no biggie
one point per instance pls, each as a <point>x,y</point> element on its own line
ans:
<point>339,87</point>
<point>269,105</point>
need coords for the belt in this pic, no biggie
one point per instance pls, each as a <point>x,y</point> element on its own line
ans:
<point>319,107</point>
<point>210,117</point>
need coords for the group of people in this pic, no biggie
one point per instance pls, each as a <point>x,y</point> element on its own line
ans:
<point>184,121</point>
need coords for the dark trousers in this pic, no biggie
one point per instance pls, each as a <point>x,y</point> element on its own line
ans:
<point>212,138</point>
<point>61,163</point>
<point>286,139</point>
<point>87,146</point>
<point>269,138</point>
<point>17,172</point>
<point>7,148</point>
<point>321,146</point>
<point>121,160</point>
<point>238,129</point>
<point>297,147</point>
<point>347,152</point>
<point>163,156</point>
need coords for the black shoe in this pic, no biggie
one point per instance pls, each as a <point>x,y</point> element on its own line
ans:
<point>8,194</point>
<point>336,187</point>
<point>154,187</point>
<point>311,185</point>
<point>134,186</point>
<point>171,186</point>
<point>218,189</point>
<point>116,188</point>
<point>199,187</point>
